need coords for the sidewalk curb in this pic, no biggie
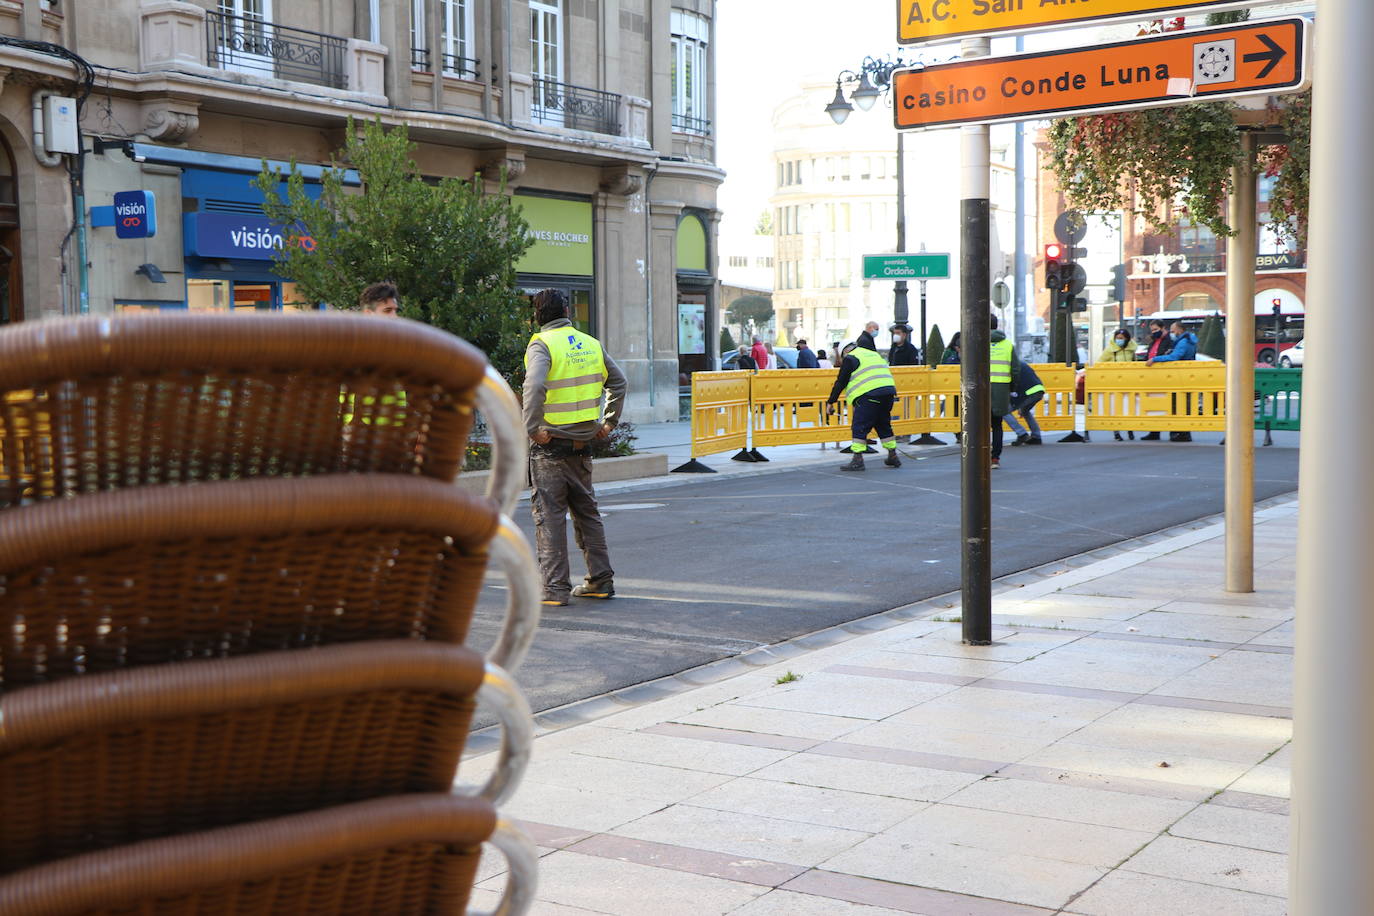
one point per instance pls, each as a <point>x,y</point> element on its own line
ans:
<point>582,712</point>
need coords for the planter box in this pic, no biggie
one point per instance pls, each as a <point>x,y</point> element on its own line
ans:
<point>604,470</point>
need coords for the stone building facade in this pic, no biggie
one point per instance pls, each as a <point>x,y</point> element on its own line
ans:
<point>599,112</point>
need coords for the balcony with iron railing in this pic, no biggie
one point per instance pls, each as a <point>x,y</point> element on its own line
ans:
<point>575,107</point>
<point>685,124</point>
<point>468,68</point>
<point>250,45</point>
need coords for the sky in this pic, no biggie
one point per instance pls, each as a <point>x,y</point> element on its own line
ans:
<point>765,49</point>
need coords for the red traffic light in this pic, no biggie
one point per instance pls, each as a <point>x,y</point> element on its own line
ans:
<point>1054,251</point>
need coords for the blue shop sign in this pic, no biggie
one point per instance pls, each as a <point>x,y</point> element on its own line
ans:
<point>135,214</point>
<point>233,235</point>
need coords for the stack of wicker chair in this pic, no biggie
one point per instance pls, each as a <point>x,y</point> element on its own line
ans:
<point>235,584</point>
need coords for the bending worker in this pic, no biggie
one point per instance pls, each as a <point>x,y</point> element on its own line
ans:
<point>566,373</point>
<point>870,390</point>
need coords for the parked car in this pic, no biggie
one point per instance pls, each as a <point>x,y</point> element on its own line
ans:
<point>1292,356</point>
<point>787,358</point>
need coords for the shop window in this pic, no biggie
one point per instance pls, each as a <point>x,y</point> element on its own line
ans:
<point>207,295</point>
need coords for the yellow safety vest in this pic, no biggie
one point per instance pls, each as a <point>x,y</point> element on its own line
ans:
<point>577,376</point>
<point>349,402</point>
<point>1002,352</point>
<point>872,373</point>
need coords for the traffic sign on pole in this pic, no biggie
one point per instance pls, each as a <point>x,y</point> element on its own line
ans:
<point>920,265</point>
<point>1252,58</point>
<point>942,20</point>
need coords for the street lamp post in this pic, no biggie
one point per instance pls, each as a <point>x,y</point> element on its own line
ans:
<point>872,80</point>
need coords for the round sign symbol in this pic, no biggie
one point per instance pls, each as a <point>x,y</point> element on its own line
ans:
<point>133,220</point>
<point>1070,227</point>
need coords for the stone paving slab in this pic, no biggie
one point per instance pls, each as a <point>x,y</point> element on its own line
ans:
<point>1123,748</point>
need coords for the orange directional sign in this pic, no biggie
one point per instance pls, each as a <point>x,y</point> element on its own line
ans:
<point>1247,59</point>
<point>942,20</point>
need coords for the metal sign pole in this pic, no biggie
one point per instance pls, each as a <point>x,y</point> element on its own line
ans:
<point>1333,807</point>
<point>1240,375</point>
<point>975,384</point>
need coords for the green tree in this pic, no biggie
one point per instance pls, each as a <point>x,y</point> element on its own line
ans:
<point>1212,341</point>
<point>449,247</point>
<point>764,226</point>
<point>758,309</point>
<point>727,340</point>
<point>935,346</point>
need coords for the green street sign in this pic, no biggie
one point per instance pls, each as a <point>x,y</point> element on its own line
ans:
<point>921,265</point>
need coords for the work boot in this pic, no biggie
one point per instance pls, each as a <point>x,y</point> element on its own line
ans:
<point>892,460</point>
<point>552,599</point>
<point>1150,437</point>
<point>1022,439</point>
<point>856,463</point>
<point>602,592</point>
<point>1131,436</point>
<point>1118,437</point>
<point>1035,440</point>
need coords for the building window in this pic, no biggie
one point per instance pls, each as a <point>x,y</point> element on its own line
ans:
<point>738,261</point>
<point>789,173</point>
<point>690,34</point>
<point>455,22</point>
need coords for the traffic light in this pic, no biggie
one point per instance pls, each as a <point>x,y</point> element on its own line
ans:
<point>1118,293</point>
<point>1054,268</point>
<point>1075,253</point>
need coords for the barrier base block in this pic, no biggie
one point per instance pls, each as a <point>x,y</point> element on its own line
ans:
<point>757,455</point>
<point>1074,437</point>
<point>693,467</point>
<point>743,455</point>
<point>927,439</point>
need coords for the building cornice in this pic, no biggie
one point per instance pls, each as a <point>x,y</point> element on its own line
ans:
<point>215,91</point>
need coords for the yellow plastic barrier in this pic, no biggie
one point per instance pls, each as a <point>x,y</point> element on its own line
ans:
<point>789,407</point>
<point>911,410</point>
<point>1170,397</point>
<point>720,411</point>
<point>1056,410</point>
<point>943,400</point>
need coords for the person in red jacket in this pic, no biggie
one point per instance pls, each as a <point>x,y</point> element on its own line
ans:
<point>760,353</point>
<point>1160,344</point>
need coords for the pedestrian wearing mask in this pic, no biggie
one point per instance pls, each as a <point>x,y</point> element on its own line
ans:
<point>951,355</point>
<point>1160,344</point>
<point>1120,350</point>
<point>903,352</point>
<point>1184,348</point>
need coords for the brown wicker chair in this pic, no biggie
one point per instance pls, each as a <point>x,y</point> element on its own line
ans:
<point>92,762</point>
<point>161,574</point>
<point>414,854</point>
<point>94,404</point>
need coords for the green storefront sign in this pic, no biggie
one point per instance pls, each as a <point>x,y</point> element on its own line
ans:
<point>562,231</point>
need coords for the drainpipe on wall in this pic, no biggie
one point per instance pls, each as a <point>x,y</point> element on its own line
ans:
<point>649,281</point>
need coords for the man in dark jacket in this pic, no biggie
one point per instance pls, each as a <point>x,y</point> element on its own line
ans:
<point>867,384</point>
<point>1184,347</point>
<point>903,352</point>
<point>806,357</point>
<point>745,360</point>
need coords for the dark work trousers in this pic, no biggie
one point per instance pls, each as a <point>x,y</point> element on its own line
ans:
<point>997,435</point>
<point>872,411</point>
<point>561,483</point>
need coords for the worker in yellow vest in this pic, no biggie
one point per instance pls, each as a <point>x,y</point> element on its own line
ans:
<point>1003,365</point>
<point>566,374</point>
<point>868,387</point>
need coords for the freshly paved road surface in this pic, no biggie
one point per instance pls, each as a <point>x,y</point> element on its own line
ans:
<point>720,566</point>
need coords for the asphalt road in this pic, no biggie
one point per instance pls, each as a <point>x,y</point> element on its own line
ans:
<point>719,566</point>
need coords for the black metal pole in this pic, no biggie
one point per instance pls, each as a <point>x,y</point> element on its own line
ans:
<point>923,318</point>
<point>976,387</point>
<point>900,311</point>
